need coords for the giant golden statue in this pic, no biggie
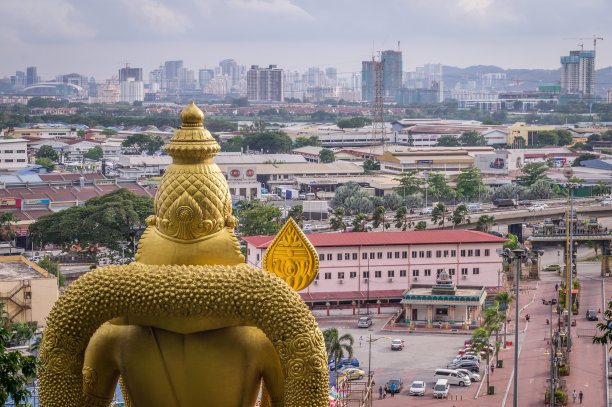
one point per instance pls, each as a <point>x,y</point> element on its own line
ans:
<point>188,323</point>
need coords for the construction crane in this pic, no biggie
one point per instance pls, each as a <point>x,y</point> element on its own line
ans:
<point>594,37</point>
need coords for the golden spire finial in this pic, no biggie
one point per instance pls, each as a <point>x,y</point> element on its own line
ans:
<point>192,116</point>
<point>193,206</point>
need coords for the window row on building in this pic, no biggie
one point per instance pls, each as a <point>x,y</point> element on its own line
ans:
<point>11,160</point>
<point>404,254</point>
<point>340,275</point>
<point>13,151</point>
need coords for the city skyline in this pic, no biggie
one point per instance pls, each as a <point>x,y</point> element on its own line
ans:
<point>97,38</point>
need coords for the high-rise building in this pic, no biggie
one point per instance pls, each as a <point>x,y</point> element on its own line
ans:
<point>331,73</point>
<point>578,72</point>
<point>131,86</point>
<point>229,67</point>
<point>392,72</point>
<point>204,77</point>
<point>265,84</point>
<point>171,74</point>
<point>31,76</point>
<point>368,80</point>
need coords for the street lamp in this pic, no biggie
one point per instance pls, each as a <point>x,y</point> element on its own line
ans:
<point>552,358</point>
<point>517,256</point>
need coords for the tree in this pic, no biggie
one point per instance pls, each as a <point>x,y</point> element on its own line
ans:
<point>109,132</point>
<point>508,191</point>
<point>337,219</point>
<point>338,347</point>
<point>409,183</point>
<point>234,144</point>
<point>94,153</point>
<point>546,138</point>
<point>392,201</point>
<point>541,189</point>
<point>360,223</point>
<point>437,186</point>
<point>140,142</point>
<point>7,233</point>
<point>47,163</point>
<point>20,333</point>
<point>16,372</point>
<point>307,141</point>
<point>460,215</point>
<point>47,151</point>
<point>327,156</point>
<point>601,188</point>
<point>512,243</point>
<point>519,142</point>
<point>583,157</point>
<point>481,338</point>
<point>469,182</point>
<point>504,299</point>
<point>472,138</point>
<point>53,268</point>
<point>371,165</point>
<point>533,172</point>
<point>81,133</point>
<point>564,137</point>
<point>359,203</point>
<point>106,220</point>
<point>297,213</point>
<point>438,214</point>
<point>422,225</point>
<point>447,140</point>
<point>353,122</point>
<point>258,218</point>
<point>402,221</point>
<point>343,192</point>
<point>269,142</point>
<point>485,222</point>
<point>378,218</point>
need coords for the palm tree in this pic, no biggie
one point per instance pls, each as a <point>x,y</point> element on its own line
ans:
<point>481,338</point>
<point>297,213</point>
<point>378,217</point>
<point>593,245</point>
<point>360,223</point>
<point>438,214</point>
<point>7,220</point>
<point>35,345</point>
<point>460,215</point>
<point>402,221</point>
<point>485,222</point>
<point>422,225</point>
<point>338,347</point>
<point>337,220</point>
<point>504,298</point>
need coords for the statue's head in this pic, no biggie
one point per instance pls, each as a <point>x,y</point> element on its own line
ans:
<point>193,222</point>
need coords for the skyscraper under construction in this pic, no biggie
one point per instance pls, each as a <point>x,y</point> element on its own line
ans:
<point>578,72</point>
<point>392,75</point>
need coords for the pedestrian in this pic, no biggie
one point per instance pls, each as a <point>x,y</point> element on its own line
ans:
<point>380,392</point>
<point>360,340</point>
<point>580,395</point>
<point>574,395</point>
<point>492,368</point>
<point>557,287</point>
<point>386,391</point>
<point>393,390</point>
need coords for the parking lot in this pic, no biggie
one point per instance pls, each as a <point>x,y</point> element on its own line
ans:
<point>422,354</point>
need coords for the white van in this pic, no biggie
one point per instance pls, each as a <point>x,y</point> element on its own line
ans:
<point>453,377</point>
<point>441,389</point>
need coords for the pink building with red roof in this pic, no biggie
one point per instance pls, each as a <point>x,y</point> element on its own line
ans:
<point>372,266</point>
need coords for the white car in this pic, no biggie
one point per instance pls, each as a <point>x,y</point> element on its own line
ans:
<point>606,202</point>
<point>467,356</point>
<point>475,377</point>
<point>537,207</point>
<point>417,388</point>
<point>426,211</point>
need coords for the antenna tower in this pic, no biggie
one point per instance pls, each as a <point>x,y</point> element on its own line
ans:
<point>378,125</point>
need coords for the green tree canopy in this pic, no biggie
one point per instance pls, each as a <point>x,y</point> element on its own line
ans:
<point>402,220</point>
<point>353,122</point>
<point>437,186</point>
<point>371,165</point>
<point>269,142</point>
<point>47,151</point>
<point>460,215</point>
<point>107,220</point>
<point>80,133</point>
<point>337,219</point>
<point>327,156</point>
<point>297,213</point>
<point>94,153</point>
<point>338,347</point>
<point>16,371</point>
<point>140,142</point>
<point>343,192</point>
<point>47,163</point>
<point>392,201</point>
<point>512,243</point>
<point>378,218</point>
<point>532,173</point>
<point>53,268</point>
<point>583,157</point>
<point>564,137</point>
<point>469,182</point>
<point>109,132</point>
<point>360,223</point>
<point>472,138</point>
<point>421,225</point>
<point>307,141</point>
<point>485,222</point>
<point>546,138</point>
<point>447,140</point>
<point>410,183</point>
<point>258,218</point>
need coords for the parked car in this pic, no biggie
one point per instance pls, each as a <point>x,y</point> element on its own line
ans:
<point>475,377</point>
<point>525,203</point>
<point>346,362</point>
<point>470,365</point>
<point>552,267</point>
<point>591,315</point>
<point>398,385</point>
<point>352,373</point>
<point>364,322</point>
<point>606,202</point>
<point>426,211</point>
<point>473,207</point>
<point>441,389</point>
<point>467,356</point>
<point>417,388</point>
<point>453,377</point>
<point>397,344</point>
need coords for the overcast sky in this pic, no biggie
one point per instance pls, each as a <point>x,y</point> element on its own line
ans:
<point>96,37</point>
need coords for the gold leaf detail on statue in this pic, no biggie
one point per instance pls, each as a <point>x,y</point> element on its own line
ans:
<point>183,218</point>
<point>292,257</point>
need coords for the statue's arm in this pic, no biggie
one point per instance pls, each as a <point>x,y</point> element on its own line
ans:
<point>273,377</point>
<point>100,368</point>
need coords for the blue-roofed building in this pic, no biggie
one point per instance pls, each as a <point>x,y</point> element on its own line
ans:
<point>597,163</point>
